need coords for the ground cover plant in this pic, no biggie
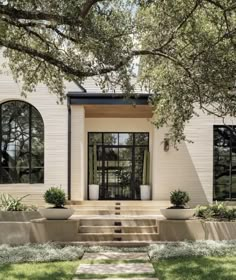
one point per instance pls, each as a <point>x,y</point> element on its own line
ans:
<point>39,253</point>
<point>217,211</point>
<point>192,249</point>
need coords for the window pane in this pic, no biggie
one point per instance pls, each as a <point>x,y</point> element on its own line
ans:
<point>37,152</point>
<point>125,138</point>
<point>111,138</point>
<point>141,139</point>
<point>95,138</point>
<point>222,192</point>
<point>139,153</point>
<point>16,121</point>
<point>125,153</point>
<point>222,162</point>
<point>111,154</point>
<point>15,175</point>
<point>37,175</point>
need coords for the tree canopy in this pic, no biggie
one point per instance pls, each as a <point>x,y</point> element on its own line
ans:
<point>186,50</point>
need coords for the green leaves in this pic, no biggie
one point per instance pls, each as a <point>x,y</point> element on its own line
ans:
<point>9,203</point>
<point>55,196</point>
<point>179,198</point>
<point>187,51</point>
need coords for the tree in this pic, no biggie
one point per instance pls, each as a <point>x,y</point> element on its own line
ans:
<point>187,50</point>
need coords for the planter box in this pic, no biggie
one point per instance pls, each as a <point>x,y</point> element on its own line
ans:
<point>220,230</point>
<point>43,230</point>
<point>19,216</point>
<point>180,230</point>
<point>15,233</point>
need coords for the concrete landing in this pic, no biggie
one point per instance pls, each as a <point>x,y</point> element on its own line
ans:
<point>113,269</point>
<point>115,256</point>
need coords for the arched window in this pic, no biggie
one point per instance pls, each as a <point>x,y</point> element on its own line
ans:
<point>22,143</point>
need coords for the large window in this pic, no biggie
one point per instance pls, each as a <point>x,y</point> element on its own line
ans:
<point>224,162</point>
<point>22,143</point>
<point>119,163</point>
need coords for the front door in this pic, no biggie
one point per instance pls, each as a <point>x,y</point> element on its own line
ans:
<point>115,162</point>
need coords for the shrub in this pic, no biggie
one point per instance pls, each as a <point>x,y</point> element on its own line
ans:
<point>179,198</point>
<point>39,253</point>
<point>55,196</point>
<point>192,249</point>
<point>9,203</point>
<point>217,211</point>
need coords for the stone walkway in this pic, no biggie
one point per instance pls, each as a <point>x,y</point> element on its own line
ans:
<point>97,265</point>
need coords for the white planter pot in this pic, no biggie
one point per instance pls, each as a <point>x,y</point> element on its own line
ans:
<point>177,214</point>
<point>56,213</point>
<point>94,192</point>
<point>145,192</point>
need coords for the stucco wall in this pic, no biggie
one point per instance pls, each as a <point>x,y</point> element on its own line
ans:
<point>78,158</point>
<point>191,167</point>
<point>55,121</point>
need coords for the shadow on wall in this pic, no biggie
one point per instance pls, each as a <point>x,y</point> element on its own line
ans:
<point>188,169</point>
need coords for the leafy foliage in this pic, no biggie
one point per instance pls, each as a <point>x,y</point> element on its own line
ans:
<point>190,249</point>
<point>217,211</point>
<point>55,196</point>
<point>185,51</point>
<point>9,203</point>
<point>179,198</point>
<point>39,253</point>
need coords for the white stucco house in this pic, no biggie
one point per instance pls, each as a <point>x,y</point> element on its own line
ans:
<point>45,144</point>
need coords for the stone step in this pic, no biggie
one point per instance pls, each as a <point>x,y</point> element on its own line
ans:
<point>129,222</point>
<point>116,212</point>
<point>117,256</point>
<point>131,203</point>
<point>118,229</point>
<point>91,237</point>
<point>130,243</point>
<point>115,269</point>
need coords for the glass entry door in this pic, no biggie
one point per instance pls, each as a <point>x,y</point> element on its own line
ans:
<point>115,162</point>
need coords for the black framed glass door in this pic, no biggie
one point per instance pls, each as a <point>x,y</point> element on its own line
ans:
<point>115,162</point>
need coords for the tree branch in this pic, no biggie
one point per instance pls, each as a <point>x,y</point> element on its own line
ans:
<point>183,22</point>
<point>67,69</point>
<point>87,7</point>
<point>37,15</point>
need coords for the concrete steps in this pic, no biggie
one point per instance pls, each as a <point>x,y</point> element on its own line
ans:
<point>108,207</point>
<point>118,237</point>
<point>120,229</point>
<point>117,229</point>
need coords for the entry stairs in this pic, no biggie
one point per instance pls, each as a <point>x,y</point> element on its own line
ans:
<point>118,222</point>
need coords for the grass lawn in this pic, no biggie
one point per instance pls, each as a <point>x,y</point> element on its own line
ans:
<point>192,268</point>
<point>196,268</point>
<point>39,271</point>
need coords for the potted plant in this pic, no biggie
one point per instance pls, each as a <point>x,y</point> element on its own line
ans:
<point>57,197</point>
<point>93,181</point>
<point>179,210</point>
<point>145,188</point>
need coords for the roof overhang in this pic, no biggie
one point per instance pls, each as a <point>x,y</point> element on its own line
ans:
<point>112,105</point>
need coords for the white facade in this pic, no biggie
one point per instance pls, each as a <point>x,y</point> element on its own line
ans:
<point>190,168</point>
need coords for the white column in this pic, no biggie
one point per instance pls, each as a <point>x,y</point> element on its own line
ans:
<point>77,152</point>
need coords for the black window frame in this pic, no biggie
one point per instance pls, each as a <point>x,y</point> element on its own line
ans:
<point>30,126</point>
<point>230,198</point>
<point>133,159</point>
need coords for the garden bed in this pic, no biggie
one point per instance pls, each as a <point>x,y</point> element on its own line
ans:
<point>196,229</point>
